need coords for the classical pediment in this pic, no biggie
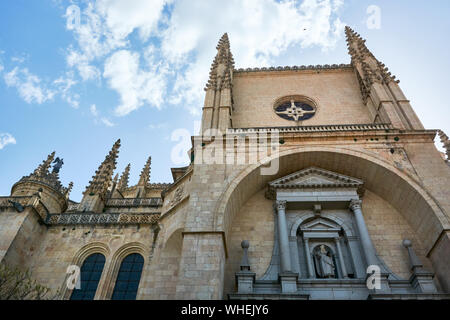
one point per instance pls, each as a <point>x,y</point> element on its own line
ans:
<point>313,177</point>
<point>320,225</point>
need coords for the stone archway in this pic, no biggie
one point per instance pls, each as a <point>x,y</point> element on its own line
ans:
<point>397,187</point>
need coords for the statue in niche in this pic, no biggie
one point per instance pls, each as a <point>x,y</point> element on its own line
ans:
<point>323,260</point>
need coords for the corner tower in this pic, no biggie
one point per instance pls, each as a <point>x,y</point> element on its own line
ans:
<point>218,105</point>
<point>379,89</point>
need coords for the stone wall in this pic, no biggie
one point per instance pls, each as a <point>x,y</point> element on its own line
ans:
<point>63,245</point>
<point>336,93</point>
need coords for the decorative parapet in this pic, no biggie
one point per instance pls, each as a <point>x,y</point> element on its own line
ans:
<point>102,218</point>
<point>286,68</point>
<point>318,128</point>
<point>134,202</point>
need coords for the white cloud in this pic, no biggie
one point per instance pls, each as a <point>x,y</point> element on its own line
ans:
<point>107,123</point>
<point>93,110</point>
<point>259,30</point>
<point>135,86</point>
<point>28,85</point>
<point>105,28</point>
<point>63,85</point>
<point>122,16</point>
<point>185,38</point>
<point>5,139</point>
<point>97,119</point>
<point>157,125</point>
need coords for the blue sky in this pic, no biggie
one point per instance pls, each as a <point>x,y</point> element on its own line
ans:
<point>135,70</point>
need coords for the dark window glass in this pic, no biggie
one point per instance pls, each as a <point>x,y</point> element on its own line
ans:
<point>127,281</point>
<point>91,270</point>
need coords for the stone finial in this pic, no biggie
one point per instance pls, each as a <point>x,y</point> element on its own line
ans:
<point>416,264</point>
<point>446,142</point>
<point>103,176</point>
<point>245,264</point>
<point>123,182</point>
<point>421,279</point>
<point>144,178</point>
<point>220,75</point>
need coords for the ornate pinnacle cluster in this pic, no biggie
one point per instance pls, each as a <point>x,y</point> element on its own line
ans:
<point>103,176</point>
<point>43,175</point>
<point>145,173</point>
<point>374,70</point>
<point>123,182</point>
<point>43,169</point>
<point>446,142</point>
<point>220,77</point>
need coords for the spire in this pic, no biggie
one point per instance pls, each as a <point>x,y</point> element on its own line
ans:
<point>103,176</point>
<point>374,70</point>
<point>123,182</point>
<point>144,178</point>
<point>220,77</point>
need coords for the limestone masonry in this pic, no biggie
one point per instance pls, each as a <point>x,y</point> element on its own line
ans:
<point>307,182</point>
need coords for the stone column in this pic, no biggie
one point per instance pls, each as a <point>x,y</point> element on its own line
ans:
<point>283,237</point>
<point>366,242</point>
<point>308,258</point>
<point>341,257</point>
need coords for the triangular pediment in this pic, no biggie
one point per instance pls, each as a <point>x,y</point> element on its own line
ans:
<point>314,177</point>
<point>320,225</point>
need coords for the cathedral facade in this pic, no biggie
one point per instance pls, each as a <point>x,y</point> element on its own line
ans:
<point>306,182</point>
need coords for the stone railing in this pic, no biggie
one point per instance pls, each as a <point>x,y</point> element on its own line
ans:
<point>101,218</point>
<point>318,128</point>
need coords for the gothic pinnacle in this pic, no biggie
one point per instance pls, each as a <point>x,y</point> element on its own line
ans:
<point>224,57</point>
<point>361,56</point>
<point>69,189</point>
<point>123,182</point>
<point>43,169</point>
<point>145,173</point>
<point>103,176</point>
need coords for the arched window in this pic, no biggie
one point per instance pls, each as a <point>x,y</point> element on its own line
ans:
<point>90,274</point>
<point>127,282</point>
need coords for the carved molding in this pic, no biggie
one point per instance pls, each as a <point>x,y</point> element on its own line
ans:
<point>102,218</point>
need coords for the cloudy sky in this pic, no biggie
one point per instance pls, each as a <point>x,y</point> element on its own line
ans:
<point>77,75</point>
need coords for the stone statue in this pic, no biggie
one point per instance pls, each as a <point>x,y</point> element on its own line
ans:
<point>58,164</point>
<point>324,263</point>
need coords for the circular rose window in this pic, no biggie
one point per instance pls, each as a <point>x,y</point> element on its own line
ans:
<point>294,109</point>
